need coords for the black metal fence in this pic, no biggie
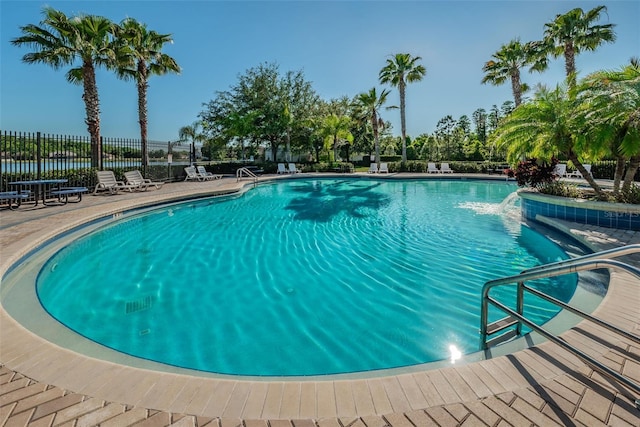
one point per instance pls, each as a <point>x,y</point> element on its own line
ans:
<point>38,155</point>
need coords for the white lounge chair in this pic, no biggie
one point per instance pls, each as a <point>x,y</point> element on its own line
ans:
<point>576,173</point>
<point>107,182</point>
<point>293,168</point>
<point>136,179</point>
<point>384,168</point>
<point>282,168</point>
<point>560,170</point>
<point>192,174</point>
<point>444,168</point>
<point>432,168</point>
<point>207,176</point>
<point>373,168</point>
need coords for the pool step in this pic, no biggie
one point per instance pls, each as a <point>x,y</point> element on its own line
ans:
<point>498,326</point>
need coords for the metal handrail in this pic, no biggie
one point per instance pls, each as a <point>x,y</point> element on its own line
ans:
<point>247,172</point>
<point>588,262</point>
<point>606,254</point>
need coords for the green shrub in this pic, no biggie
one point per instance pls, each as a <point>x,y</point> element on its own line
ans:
<point>530,173</point>
<point>632,195</point>
<point>562,189</point>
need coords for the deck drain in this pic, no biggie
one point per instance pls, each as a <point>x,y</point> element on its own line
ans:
<point>138,305</point>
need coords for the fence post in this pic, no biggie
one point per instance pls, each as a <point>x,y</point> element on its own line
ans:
<point>100,156</point>
<point>38,156</point>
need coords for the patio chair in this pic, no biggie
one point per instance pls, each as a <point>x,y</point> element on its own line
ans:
<point>444,168</point>
<point>135,178</point>
<point>432,168</point>
<point>384,168</point>
<point>282,168</point>
<point>192,174</point>
<point>373,168</point>
<point>293,168</point>
<point>207,176</point>
<point>576,173</point>
<point>560,170</point>
<point>107,182</point>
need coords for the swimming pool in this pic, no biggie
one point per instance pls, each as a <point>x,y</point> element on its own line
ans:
<point>302,277</point>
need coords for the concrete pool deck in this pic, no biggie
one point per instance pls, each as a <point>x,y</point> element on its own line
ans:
<point>42,384</point>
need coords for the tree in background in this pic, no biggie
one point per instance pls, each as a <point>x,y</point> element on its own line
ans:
<point>60,41</point>
<point>335,131</point>
<point>279,108</point>
<point>370,104</point>
<point>140,59</point>
<point>400,70</point>
<point>507,63</point>
<point>192,134</point>
<point>574,32</point>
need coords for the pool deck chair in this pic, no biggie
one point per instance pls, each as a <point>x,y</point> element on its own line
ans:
<point>444,168</point>
<point>576,173</point>
<point>373,168</point>
<point>560,170</point>
<point>136,179</point>
<point>207,176</point>
<point>192,174</point>
<point>293,168</point>
<point>107,182</point>
<point>282,169</point>
<point>432,168</point>
<point>384,168</point>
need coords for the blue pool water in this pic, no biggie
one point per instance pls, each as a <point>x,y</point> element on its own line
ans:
<point>301,277</point>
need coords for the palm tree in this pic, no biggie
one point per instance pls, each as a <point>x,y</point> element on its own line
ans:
<point>141,59</point>
<point>335,129</point>
<point>192,133</point>
<point>399,71</point>
<point>574,32</point>
<point>59,41</point>
<point>506,64</point>
<point>370,103</point>
<point>609,107</point>
<point>541,128</point>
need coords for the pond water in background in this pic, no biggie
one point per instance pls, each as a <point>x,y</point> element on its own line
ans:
<point>301,277</point>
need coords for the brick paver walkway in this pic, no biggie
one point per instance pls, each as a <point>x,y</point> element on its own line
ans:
<point>44,385</point>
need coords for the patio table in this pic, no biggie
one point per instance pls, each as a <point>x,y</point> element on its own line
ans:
<point>41,187</point>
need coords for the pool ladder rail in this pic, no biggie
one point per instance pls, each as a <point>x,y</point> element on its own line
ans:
<point>246,173</point>
<point>515,317</point>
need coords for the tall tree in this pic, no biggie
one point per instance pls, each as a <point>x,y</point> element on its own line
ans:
<point>507,62</point>
<point>574,32</point>
<point>192,133</point>
<point>400,70</point>
<point>335,129</point>
<point>480,122</point>
<point>370,104</point>
<point>542,128</point>
<point>142,58</point>
<point>609,110</point>
<point>59,41</point>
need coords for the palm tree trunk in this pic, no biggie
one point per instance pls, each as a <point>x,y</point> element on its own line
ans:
<point>142,111</point>
<point>92,107</point>
<point>516,87</point>
<point>634,163</point>
<point>587,176</point>
<point>620,159</point>
<point>570,63</point>
<point>374,123</point>
<point>618,174</point>
<point>403,122</point>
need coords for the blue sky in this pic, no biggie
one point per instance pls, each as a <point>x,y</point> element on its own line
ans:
<point>339,45</point>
